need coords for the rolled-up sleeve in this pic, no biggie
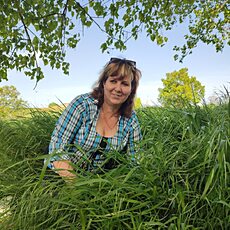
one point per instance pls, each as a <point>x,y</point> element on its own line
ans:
<point>66,128</point>
<point>135,136</point>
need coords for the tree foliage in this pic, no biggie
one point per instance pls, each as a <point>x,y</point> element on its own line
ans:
<point>10,101</point>
<point>180,89</point>
<point>52,104</point>
<point>39,31</point>
<point>137,103</point>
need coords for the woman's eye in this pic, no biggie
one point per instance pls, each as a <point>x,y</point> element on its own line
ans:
<point>113,81</point>
<point>125,83</point>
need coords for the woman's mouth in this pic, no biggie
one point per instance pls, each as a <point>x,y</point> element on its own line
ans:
<point>117,95</point>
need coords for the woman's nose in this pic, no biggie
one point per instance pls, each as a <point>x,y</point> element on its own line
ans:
<point>118,87</point>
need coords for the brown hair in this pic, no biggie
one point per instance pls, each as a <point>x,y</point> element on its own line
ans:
<point>120,68</point>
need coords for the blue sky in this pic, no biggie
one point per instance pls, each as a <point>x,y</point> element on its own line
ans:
<point>86,61</point>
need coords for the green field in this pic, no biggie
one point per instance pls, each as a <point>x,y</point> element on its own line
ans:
<point>181,179</point>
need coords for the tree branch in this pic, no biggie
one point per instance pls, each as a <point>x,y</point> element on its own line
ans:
<point>91,18</point>
<point>28,36</point>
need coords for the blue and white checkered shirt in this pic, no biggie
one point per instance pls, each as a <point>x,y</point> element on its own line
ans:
<point>76,137</point>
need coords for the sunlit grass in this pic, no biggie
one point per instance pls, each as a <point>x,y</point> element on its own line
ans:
<point>181,180</point>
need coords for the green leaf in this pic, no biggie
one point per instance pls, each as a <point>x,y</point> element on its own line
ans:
<point>209,182</point>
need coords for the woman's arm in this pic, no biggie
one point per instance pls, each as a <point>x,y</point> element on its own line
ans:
<point>66,129</point>
<point>135,136</point>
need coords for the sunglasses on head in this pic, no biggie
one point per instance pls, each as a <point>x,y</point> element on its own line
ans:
<point>117,60</point>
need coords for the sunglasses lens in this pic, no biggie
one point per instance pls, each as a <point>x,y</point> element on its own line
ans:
<point>117,60</point>
<point>133,63</point>
<point>114,60</point>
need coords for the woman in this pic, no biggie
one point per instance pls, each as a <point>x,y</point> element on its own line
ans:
<point>98,122</point>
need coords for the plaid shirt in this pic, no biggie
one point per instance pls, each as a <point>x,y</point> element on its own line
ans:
<point>76,137</point>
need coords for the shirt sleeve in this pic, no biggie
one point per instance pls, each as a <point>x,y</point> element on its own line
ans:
<point>66,128</point>
<point>135,136</point>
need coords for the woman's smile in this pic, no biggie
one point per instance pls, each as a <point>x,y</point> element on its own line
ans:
<point>117,90</point>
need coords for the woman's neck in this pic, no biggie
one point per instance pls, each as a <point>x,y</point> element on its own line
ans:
<point>110,110</point>
<point>107,123</point>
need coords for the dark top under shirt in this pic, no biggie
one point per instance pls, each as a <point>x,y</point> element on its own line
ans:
<point>109,164</point>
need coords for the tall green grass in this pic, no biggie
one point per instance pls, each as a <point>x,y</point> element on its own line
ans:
<point>181,179</point>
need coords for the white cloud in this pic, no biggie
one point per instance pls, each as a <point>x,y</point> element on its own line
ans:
<point>148,92</point>
<point>43,97</point>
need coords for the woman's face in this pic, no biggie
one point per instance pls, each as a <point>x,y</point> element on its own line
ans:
<point>117,90</point>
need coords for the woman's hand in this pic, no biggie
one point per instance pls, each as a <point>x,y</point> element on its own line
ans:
<point>63,168</point>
